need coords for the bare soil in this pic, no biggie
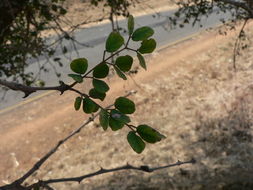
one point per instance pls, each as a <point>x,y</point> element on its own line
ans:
<point>79,12</point>
<point>190,93</point>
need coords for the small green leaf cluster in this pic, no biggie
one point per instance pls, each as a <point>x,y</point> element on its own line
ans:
<point>116,118</point>
<point>142,134</point>
<point>118,115</point>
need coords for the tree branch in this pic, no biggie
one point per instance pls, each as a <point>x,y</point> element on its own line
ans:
<point>29,89</point>
<point>237,43</point>
<point>241,4</point>
<point>144,168</point>
<point>7,17</point>
<point>38,164</point>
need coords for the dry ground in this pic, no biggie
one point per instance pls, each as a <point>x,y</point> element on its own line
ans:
<point>190,93</point>
<point>78,12</point>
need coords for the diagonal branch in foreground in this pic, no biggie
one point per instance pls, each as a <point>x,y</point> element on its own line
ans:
<point>38,164</point>
<point>237,43</point>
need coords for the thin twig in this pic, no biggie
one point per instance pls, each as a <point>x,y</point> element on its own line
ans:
<point>38,164</point>
<point>237,43</point>
<point>144,168</point>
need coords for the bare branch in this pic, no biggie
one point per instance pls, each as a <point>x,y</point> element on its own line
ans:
<point>38,164</point>
<point>144,168</point>
<point>237,43</point>
<point>29,89</point>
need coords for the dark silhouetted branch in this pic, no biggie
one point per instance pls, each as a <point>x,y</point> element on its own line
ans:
<point>103,171</point>
<point>29,89</point>
<point>37,165</point>
<point>237,43</point>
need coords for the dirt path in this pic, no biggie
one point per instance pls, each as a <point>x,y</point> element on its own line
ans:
<point>184,83</point>
<point>78,12</point>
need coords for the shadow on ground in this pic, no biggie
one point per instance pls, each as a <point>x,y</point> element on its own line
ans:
<point>224,152</point>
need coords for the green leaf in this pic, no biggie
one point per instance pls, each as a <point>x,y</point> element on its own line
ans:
<point>125,105</point>
<point>135,142</point>
<point>78,103</point>
<point>77,78</point>
<point>124,63</point>
<point>149,134</point>
<point>130,24</point>
<point>116,115</point>
<point>89,106</point>
<point>142,61</point>
<point>142,33</point>
<point>101,71</point>
<point>115,124</point>
<point>147,46</point>
<point>79,65</point>
<point>96,95</point>
<point>100,86</point>
<point>104,119</point>
<point>117,120</point>
<point>114,42</point>
<point>120,73</point>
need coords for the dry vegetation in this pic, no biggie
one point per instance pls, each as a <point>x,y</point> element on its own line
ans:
<point>80,11</point>
<point>205,110</point>
<point>193,97</point>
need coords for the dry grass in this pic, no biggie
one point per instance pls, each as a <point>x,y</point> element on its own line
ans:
<point>204,109</point>
<point>79,11</point>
